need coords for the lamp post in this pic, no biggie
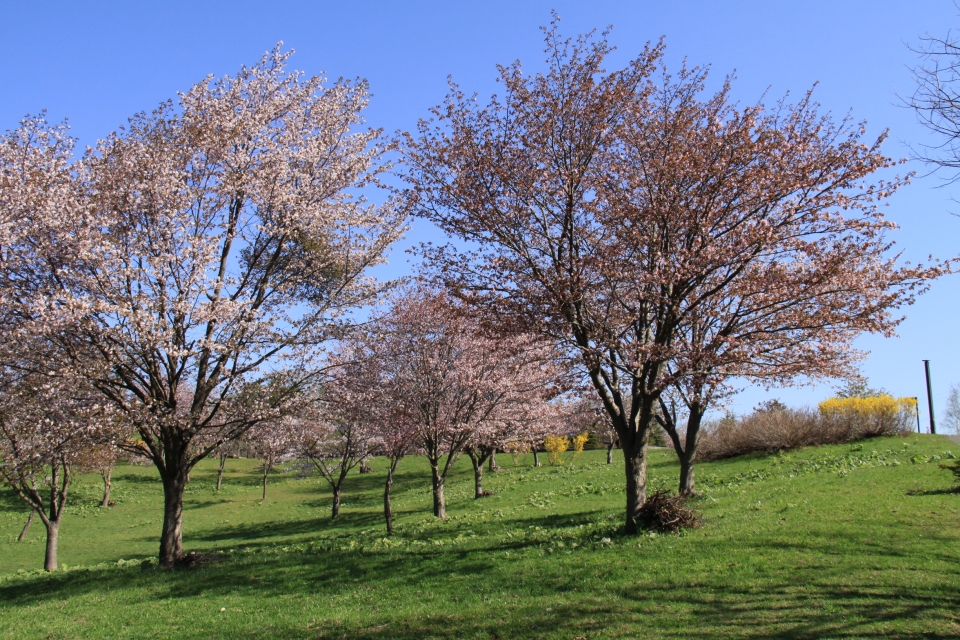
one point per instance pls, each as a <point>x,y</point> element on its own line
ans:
<point>933,424</point>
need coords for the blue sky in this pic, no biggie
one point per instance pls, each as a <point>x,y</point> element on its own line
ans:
<point>97,63</point>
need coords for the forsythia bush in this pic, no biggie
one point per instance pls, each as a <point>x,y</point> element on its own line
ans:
<point>579,441</point>
<point>555,446</point>
<point>874,415</point>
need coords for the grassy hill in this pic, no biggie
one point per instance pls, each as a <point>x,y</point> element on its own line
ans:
<point>840,541</point>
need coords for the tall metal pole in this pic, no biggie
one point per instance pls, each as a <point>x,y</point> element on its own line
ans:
<point>933,424</point>
<point>916,407</point>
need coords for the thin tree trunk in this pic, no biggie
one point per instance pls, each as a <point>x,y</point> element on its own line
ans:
<point>387,509</point>
<point>610,452</point>
<point>223,463</point>
<point>26,527</point>
<point>439,505</point>
<point>106,487</point>
<point>266,470</point>
<point>171,537</point>
<point>493,461</point>
<point>536,457</point>
<point>336,501</point>
<point>50,555</point>
<point>477,460</point>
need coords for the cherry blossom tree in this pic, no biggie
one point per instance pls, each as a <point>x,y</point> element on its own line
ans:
<point>47,423</point>
<point>377,399</point>
<point>453,380</point>
<point>396,434</point>
<point>101,458</point>
<point>535,407</point>
<point>338,435</point>
<point>210,245</point>
<point>604,209</point>
<point>272,441</point>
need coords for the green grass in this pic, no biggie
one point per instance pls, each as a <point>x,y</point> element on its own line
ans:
<point>833,541</point>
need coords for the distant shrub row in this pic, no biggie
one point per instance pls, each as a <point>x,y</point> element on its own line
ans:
<point>775,427</point>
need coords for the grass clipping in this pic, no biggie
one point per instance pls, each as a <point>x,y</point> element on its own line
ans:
<point>667,513</point>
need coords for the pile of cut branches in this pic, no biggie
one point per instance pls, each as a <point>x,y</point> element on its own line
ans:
<point>666,512</point>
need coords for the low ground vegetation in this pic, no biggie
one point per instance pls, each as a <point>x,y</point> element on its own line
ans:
<point>839,541</point>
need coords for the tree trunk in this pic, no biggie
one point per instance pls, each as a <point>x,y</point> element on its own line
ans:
<point>266,470</point>
<point>223,463</point>
<point>477,474</point>
<point>686,451</point>
<point>689,455</point>
<point>387,510</point>
<point>536,457</point>
<point>635,459</point>
<point>26,527</point>
<point>478,481</point>
<point>439,505</point>
<point>610,453</point>
<point>171,537</point>
<point>477,458</point>
<point>106,487</point>
<point>50,556</point>
<point>686,475</point>
<point>493,461</point>
<point>336,501</point>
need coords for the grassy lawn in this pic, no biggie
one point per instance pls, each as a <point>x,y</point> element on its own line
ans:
<point>841,541</point>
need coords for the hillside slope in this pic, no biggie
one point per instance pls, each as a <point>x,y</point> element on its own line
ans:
<point>841,541</point>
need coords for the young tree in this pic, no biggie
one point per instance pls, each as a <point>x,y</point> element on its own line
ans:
<point>101,458</point>
<point>603,209</point>
<point>272,441</point>
<point>375,397</point>
<point>222,452</point>
<point>46,424</point>
<point>396,436</point>
<point>530,410</point>
<point>26,526</point>
<point>337,431</point>
<point>451,379</point>
<point>210,242</point>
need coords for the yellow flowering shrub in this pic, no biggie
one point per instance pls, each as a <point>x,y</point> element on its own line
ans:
<point>579,441</point>
<point>876,415</point>
<point>556,446</point>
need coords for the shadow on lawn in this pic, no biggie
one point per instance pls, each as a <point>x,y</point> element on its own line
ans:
<point>568,601</point>
<point>934,492</point>
<point>708,611</point>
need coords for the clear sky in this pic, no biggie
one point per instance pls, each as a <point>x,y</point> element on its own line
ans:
<point>97,63</point>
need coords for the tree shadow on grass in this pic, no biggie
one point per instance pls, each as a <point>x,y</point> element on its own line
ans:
<point>248,534</point>
<point>10,501</point>
<point>934,492</point>
<point>784,611</point>
<point>769,604</point>
<point>550,610</point>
